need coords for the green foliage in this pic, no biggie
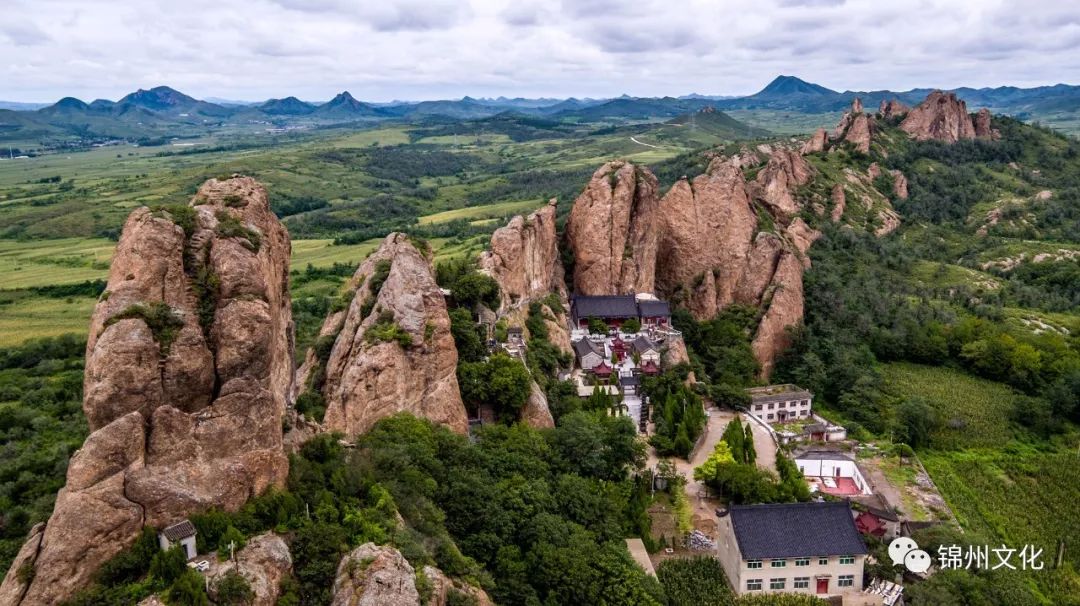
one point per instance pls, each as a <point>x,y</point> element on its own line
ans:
<point>188,590</point>
<point>163,322</point>
<point>233,589</point>
<point>230,226</point>
<point>678,412</point>
<point>180,214</point>
<point>378,277</point>
<point>131,564</point>
<point>720,347</point>
<point>205,284</point>
<point>501,382</point>
<point>386,330</point>
<point>598,326</point>
<point>466,333</point>
<point>696,581</point>
<point>231,541</point>
<point>168,565</point>
<point>721,455</point>
<point>631,325</point>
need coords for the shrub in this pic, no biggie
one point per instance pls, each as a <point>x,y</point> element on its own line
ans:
<point>233,589</point>
<point>162,321</point>
<point>231,227</point>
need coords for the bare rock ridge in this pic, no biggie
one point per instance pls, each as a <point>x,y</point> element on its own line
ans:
<point>524,258</point>
<point>394,351</point>
<point>942,117</point>
<point>612,231</point>
<point>189,360</point>
<point>855,127</point>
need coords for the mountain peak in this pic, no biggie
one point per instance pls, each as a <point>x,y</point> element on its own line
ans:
<point>158,98</point>
<point>792,85</point>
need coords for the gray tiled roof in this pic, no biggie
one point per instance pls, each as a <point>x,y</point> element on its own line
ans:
<point>583,347</point>
<point>791,530</point>
<point>654,309</point>
<point>611,306</point>
<point>643,344</point>
<point>180,530</point>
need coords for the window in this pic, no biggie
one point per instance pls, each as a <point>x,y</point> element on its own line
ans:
<point>759,407</point>
<point>770,416</point>
<point>770,405</point>
<point>847,559</point>
<point>753,584</point>
<point>823,561</point>
<point>845,580</point>
<point>802,562</point>
<point>781,404</point>
<point>753,563</point>
<point>777,583</point>
<point>806,402</point>
<point>803,413</point>
<point>801,583</point>
<point>778,563</point>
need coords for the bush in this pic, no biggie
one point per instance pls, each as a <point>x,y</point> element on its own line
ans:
<point>189,590</point>
<point>163,322</point>
<point>233,589</point>
<point>168,565</point>
<point>231,227</point>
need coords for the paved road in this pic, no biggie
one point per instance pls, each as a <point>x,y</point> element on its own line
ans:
<point>764,445</point>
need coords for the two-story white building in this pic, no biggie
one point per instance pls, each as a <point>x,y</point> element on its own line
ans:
<point>811,548</point>
<point>780,403</point>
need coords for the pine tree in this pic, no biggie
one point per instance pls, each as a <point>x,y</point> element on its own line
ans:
<point>749,452</point>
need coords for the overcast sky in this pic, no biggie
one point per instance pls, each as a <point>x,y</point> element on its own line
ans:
<point>425,49</point>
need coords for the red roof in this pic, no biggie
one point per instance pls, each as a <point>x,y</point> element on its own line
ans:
<point>601,369</point>
<point>650,368</point>
<point>868,523</point>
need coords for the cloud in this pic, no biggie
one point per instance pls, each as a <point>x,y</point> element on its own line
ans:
<point>416,49</point>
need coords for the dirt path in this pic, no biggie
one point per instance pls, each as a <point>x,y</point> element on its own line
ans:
<point>764,445</point>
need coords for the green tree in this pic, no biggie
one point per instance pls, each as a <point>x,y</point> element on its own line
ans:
<point>466,335</point>
<point>233,589</point>
<point>720,455</point>
<point>189,590</point>
<point>232,539</point>
<point>166,566</point>
<point>598,326</point>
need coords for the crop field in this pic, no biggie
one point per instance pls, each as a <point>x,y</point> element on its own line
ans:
<point>974,411</point>
<point>23,318</point>
<point>482,212</point>
<point>1019,494</point>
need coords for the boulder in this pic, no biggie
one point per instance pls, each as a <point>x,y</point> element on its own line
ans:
<point>942,117</point>
<point>612,231</point>
<point>189,360</point>
<point>394,352</point>
<point>442,587</point>
<point>371,575</point>
<point>263,562</point>
<point>900,185</point>
<point>524,258</point>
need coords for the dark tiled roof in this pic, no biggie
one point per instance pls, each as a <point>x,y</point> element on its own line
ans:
<point>790,530</point>
<point>654,309</point>
<point>632,380</point>
<point>180,530</point>
<point>583,347</point>
<point>608,306</point>
<point>643,344</point>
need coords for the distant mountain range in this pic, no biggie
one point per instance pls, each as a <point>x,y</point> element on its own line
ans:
<point>165,112</point>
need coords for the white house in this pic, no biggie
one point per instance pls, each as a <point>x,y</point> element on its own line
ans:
<point>646,350</point>
<point>780,403</point>
<point>832,472</point>
<point>183,534</point>
<point>811,548</point>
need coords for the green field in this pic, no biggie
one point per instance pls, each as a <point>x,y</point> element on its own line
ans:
<point>974,411</point>
<point>23,318</point>
<point>482,212</point>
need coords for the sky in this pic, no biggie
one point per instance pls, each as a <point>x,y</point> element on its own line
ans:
<point>438,49</point>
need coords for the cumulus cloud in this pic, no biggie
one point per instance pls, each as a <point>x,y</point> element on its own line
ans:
<point>416,49</point>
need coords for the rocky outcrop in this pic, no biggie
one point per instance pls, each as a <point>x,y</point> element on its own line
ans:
<point>816,143</point>
<point>612,231</point>
<point>784,310</point>
<point>707,233</point>
<point>854,127</point>
<point>524,258</point>
<point>189,360</point>
<point>371,575</point>
<point>536,413</point>
<point>941,117</point>
<point>674,352</point>
<point>443,588</point>
<point>900,184</point>
<point>892,108</point>
<point>394,352</point>
<point>983,127</point>
<point>263,562</point>
<point>839,200</point>
<point>776,184</point>
<point>888,220</point>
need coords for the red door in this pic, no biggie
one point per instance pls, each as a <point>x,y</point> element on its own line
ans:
<point>823,585</point>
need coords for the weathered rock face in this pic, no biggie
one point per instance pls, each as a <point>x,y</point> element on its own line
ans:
<point>983,128</point>
<point>524,258</point>
<point>892,108</point>
<point>707,233</point>
<point>375,576</point>
<point>263,562</point>
<point>536,412</point>
<point>442,587</point>
<point>942,117</point>
<point>394,351</point>
<point>785,309</point>
<point>785,172</point>
<point>816,142</point>
<point>854,127</point>
<point>900,184</point>
<point>612,231</point>
<point>839,200</point>
<point>189,361</point>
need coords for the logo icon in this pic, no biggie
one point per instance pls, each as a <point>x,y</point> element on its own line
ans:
<point>899,548</point>
<point>917,561</point>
